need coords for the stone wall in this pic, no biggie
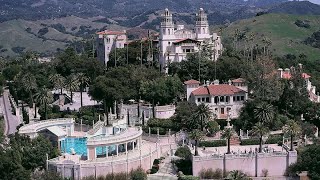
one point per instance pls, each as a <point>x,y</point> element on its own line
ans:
<point>252,164</point>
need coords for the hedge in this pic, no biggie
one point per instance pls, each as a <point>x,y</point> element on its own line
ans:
<point>215,143</point>
<point>275,139</point>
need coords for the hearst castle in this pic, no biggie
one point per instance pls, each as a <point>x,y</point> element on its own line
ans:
<point>174,41</point>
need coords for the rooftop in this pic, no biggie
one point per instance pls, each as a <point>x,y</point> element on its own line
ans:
<point>238,80</point>
<point>218,89</point>
<point>108,32</point>
<point>192,81</point>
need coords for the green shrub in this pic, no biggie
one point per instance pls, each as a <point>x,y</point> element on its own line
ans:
<point>211,174</point>
<point>156,161</point>
<point>216,143</point>
<point>253,141</point>
<point>138,174</point>
<point>184,166</point>
<point>188,177</point>
<point>274,139</point>
<point>153,171</point>
<point>183,152</point>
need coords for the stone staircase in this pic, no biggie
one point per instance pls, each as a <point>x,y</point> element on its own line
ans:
<point>95,128</point>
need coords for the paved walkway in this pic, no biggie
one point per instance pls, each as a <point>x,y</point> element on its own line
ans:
<point>166,171</point>
<point>11,120</point>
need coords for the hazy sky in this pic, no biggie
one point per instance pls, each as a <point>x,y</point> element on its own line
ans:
<point>315,1</point>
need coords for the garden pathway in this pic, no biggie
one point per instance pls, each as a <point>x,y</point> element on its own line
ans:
<point>166,171</point>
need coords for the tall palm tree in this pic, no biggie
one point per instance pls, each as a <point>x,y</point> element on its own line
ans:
<point>72,84</point>
<point>83,82</point>
<point>29,84</point>
<point>196,135</point>
<point>264,112</point>
<point>259,130</point>
<point>292,129</point>
<point>228,134</point>
<point>58,81</point>
<point>44,97</point>
<point>237,175</point>
<point>203,114</point>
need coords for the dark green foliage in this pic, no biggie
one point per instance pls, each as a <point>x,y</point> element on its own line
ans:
<point>184,166</point>
<point>275,139</point>
<point>308,160</point>
<point>183,116</point>
<point>215,143</point>
<point>249,142</point>
<point>211,174</point>
<point>188,177</point>
<point>314,40</point>
<point>25,116</point>
<point>162,124</point>
<point>18,49</point>
<point>183,152</point>
<point>138,174</point>
<point>303,24</point>
<point>43,31</point>
<point>24,156</point>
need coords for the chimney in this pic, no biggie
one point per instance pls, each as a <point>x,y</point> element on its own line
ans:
<point>207,83</point>
<point>216,82</point>
<point>300,66</point>
<point>280,70</point>
<point>230,82</point>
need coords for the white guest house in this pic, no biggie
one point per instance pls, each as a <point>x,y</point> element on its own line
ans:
<point>222,99</point>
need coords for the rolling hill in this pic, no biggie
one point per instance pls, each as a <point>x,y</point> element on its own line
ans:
<point>286,36</point>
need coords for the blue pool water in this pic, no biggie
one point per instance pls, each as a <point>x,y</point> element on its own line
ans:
<point>80,146</point>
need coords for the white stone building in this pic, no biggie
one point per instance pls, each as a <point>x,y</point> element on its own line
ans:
<point>175,42</point>
<point>222,99</point>
<point>107,41</point>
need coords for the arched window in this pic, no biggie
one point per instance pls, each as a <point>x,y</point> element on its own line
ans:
<point>169,31</point>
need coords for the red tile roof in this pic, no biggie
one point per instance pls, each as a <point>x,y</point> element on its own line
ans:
<point>217,90</point>
<point>305,75</point>
<point>107,32</point>
<point>192,81</point>
<point>181,40</point>
<point>239,80</point>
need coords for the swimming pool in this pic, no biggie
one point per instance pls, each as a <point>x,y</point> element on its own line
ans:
<point>80,146</point>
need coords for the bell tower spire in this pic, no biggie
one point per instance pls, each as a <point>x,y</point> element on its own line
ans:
<point>167,25</point>
<point>202,25</point>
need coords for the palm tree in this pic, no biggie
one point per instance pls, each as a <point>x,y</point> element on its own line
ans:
<point>29,84</point>
<point>83,81</point>
<point>292,129</point>
<point>203,114</point>
<point>196,135</point>
<point>58,81</point>
<point>72,84</point>
<point>237,175</point>
<point>259,130</point>
<point>44,97</point>
<point>228,134</point>
<point>264,112</point>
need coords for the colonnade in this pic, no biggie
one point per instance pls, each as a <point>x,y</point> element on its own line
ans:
<point>119,148</point>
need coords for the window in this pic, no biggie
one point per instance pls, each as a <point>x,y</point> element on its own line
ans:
<point>242,98</point>
<point>222,110</point>
<point>207,99</point>
<point>227,98</point>
<point>199,100</point>
<point>221,98</point>
<point>216,99</point>
<point>234,98</point>
<point>169,43</point>
<point>188,50</point>
<point>169,31</point>
<point>203,99</point>
<point>238,98</point>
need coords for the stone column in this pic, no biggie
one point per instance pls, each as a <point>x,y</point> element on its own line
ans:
<point>117,149</point>
<point>107,151</point>
<point>91,153</point>
<point>126,148</point>
<point>138,143</point>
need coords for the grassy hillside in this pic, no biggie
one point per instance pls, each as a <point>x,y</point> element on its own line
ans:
<point>22,35</point>
<point>286,37</point>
